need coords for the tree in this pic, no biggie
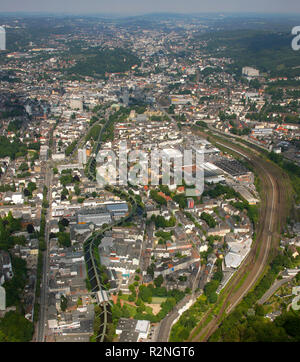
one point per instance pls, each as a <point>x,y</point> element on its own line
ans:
<point>15,328</point>
<point>210,290</point>
<point>254,83</point>
<point>64,239</point>
<point>14,287</point>
<point>30,228</point>
<point>150,270</point>
<point>63,303</point>
<point>208,219</point>
<point>31,186</point>
<point>64,222</point>
<point>145,294</point>
<point>125,312</point>
<point>212,298</point>
<point>131,298</point>
<point>24,167</point>
<point>77,190</point>
<point>158,281</point>
<point>26,192</point>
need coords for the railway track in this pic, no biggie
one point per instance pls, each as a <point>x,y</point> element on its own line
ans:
<point>271,215</point>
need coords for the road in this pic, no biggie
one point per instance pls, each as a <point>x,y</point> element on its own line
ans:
<point>276,285</point>
<point>166,324</point>
<point>44,283</point>
<point>164,328</point>
<point>273,212</point>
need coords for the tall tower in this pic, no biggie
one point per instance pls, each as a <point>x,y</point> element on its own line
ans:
<point>2,38</point>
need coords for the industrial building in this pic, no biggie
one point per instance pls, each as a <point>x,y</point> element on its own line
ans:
<point>132,330</point>
<point>246,194</point>
<point>117,209</point>
<point>97,216</point>
<point>232,167</point>
<point>212,173</point>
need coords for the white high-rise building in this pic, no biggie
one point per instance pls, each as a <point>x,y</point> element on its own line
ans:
<point>2,38</point>
<point>2,299</point>
<point>250,72</point>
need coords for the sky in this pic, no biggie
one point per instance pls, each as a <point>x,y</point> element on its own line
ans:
<point>133,7</point>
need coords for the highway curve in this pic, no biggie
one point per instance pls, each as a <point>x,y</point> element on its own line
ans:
<point>273,213</point>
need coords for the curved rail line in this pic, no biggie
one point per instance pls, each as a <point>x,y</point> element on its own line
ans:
<point>267,231</point>
<point>92,267</point>
<point>92,161</point>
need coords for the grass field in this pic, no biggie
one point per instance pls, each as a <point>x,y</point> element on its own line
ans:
<point>158,300</point>
<point>132,309</point>
<point>124,296</point>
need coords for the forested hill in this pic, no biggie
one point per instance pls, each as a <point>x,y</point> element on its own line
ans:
<point>269,51</point>
<point>101,61</point>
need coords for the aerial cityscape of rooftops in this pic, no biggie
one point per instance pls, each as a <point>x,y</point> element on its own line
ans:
<point>150,178</point>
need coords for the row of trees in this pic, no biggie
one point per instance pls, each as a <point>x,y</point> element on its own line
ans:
<point>212,286</point>
<point>219,190</point>
<point>188,320</point>
<point>210,221</point>
<point>157,198</point>
<point>69,150</point>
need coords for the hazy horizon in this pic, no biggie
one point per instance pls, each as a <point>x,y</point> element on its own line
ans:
<point>139,7</point>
